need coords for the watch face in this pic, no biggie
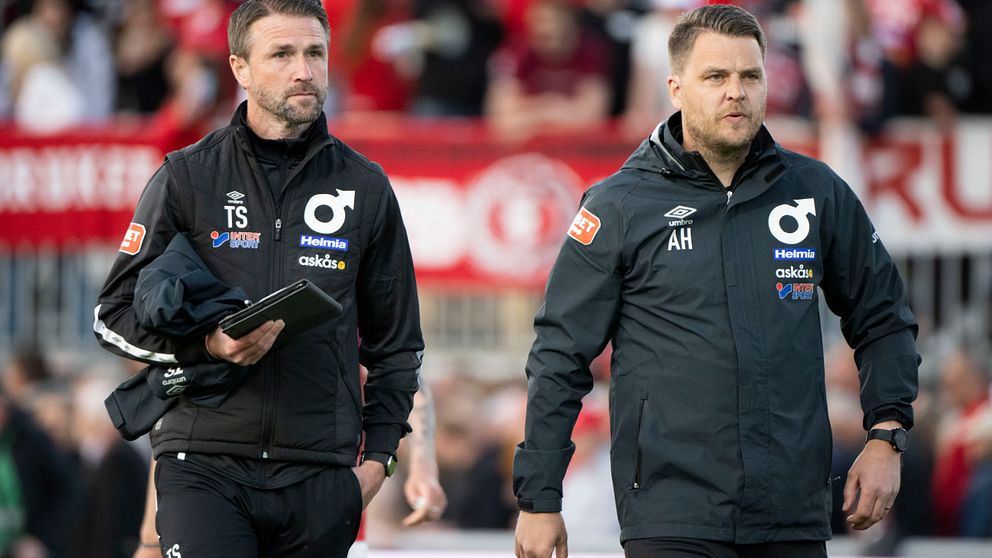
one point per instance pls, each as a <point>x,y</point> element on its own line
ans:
<point>900,439</point>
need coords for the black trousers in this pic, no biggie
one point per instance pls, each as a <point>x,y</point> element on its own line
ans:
<point>202,515</point>
<point>675,547</point>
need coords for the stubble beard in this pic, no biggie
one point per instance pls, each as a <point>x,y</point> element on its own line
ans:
<point>711,141</point>
<point>286,112</point>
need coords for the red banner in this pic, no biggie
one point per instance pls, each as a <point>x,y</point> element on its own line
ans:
<point>483,213</point>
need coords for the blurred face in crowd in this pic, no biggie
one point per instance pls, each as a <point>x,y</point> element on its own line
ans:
<point>552,29</point>
<point>285,74</point>
<point>722,93</point>
<point>962,384</point>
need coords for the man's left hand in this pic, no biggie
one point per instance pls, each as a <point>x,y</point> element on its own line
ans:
<point>371,475</point>
<point>872,483</point>
<point>425,495</point>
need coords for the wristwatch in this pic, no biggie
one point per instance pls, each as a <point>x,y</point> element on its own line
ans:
<point>898,437</point>
<point>388,460</point>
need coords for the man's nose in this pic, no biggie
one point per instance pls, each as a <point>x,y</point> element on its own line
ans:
<point>735,88</point>
<point>302,70</point>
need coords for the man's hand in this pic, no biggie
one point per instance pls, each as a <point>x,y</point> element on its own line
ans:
<point>371,475</point>
<point>426,497</point>
<point>540,533</point>
<point>872,483</point>
<point>247,350</point>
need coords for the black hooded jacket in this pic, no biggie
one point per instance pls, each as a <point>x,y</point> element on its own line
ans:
<point>335,221</point>
<point>709,297</point>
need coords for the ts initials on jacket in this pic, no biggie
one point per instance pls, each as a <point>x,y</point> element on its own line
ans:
<point>710,298</point>
<point>335,221</point>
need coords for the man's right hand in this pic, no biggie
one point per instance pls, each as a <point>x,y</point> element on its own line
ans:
<point>248,349</point>
<point>540,533</point>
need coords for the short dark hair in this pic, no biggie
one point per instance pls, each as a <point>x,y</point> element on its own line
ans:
<point>253,10</point>
<point>724,19</point>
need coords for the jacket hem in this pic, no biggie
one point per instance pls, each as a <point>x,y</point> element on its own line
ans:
<point>251,451</point>
<point>654,530</point>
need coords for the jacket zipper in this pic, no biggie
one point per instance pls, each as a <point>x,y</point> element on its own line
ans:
<point>271,382</point>
<point>636,484</point>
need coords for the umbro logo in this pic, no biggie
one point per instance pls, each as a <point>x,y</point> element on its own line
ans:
<point>680,212</point>
<point>234,195</point>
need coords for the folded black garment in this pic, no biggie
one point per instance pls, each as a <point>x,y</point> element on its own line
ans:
<point>207,385</point>
<point>177,296</point>
<point>133,408</point>
<point>142,399</point>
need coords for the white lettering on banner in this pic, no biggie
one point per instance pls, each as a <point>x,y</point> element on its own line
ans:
<point>50,179</point>
<point>928,190</point>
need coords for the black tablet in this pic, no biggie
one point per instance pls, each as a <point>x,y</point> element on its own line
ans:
<point>300,305</point>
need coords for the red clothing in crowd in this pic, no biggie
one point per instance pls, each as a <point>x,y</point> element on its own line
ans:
<point>538,75</point>
<point>952,472</point>
<point>894,24</point>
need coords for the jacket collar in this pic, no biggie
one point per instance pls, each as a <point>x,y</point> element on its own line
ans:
<point>662,153</point>
<point>316,132</point>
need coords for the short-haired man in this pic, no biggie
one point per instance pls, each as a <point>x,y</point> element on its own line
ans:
<point>267,200</point>
<point>700,261</point>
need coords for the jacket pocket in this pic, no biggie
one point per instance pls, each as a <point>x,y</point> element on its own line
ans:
<point>635,483</point>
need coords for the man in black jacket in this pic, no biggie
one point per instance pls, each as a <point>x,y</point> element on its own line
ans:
<point>702,261</point>
<point>270,199</point>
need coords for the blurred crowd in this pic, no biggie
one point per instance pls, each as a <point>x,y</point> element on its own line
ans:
<point>69,484</point>
<point>528,66</point>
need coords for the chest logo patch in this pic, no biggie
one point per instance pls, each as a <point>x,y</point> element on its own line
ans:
<point>797,213</point>
<point>337,203</point>
<point>584,227</point>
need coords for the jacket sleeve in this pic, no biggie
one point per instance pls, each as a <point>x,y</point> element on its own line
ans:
<point>389,327</point>
<point>862,285</point>
<point>156,220</point>
<point>573,325</point>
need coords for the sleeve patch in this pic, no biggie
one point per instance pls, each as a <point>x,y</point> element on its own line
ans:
<point>584,227</point>
<point>133,238</point>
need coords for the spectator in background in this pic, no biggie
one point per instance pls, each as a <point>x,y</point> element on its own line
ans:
<point>976,521</point>
<point>978,52</point>
<point>26,371</point>
<point>588,505</point>
<point>201,90</point>
<point>37,489</point>
<point>965,391</point>
<point>458,37</point>
<point>647,93</point>
<point>371,81</point>
<point>85,53</point>
<point>114,474</point>
<point>141,49</point>
<point>937,83</point>
<point>38,93</point>
<point>556,81</point>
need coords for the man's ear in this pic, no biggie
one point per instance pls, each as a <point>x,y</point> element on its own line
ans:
<point>239,67</point>
<point>675,91</point>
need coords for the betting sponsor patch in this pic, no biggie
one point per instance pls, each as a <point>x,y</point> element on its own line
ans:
<point>584,227</point>
<point>133,238</point>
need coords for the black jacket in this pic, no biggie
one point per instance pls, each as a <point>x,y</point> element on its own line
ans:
<point>336,222</point>
<point>718,412</point>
